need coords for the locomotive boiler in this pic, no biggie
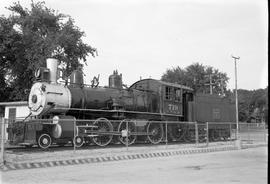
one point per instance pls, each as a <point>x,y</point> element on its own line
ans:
<point>80,113</point>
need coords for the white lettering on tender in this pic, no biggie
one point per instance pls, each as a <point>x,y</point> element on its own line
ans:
<point>173,107</point>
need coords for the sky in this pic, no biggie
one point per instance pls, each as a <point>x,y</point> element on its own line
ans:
<point>144,38</point>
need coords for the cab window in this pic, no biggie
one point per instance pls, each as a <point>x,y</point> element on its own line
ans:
<point>168,93</point>
<point>178,95</point>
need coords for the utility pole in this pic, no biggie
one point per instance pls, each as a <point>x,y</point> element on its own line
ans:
<point>221,83</point>
<point>222,87</point>
<point>236,97</point>
<point>210,83</point>
<point>217,82</point>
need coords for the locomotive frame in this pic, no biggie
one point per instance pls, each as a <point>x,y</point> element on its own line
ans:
<point>79,113</point>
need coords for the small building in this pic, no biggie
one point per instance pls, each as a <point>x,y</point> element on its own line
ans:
<point>14,110</point>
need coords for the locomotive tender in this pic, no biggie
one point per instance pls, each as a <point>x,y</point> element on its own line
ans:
<point>79,113</point>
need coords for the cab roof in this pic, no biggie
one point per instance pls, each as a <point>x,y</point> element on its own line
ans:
<point>160,83</point>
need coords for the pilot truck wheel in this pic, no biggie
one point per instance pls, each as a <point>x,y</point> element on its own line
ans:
<point>78,141</point>
<point>44,141</point>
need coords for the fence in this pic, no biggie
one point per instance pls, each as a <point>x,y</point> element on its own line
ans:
<point>253,132</point>
<point>128,133</point>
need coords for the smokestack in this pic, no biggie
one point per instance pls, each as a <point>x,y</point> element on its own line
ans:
<point>52,64</point>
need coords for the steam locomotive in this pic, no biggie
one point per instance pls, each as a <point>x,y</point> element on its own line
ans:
<point>80,113</point>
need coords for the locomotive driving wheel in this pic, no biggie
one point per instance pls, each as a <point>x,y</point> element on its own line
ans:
<point>103,126</point>
<point>155,132</point>
<point>126,128</point>
<point>44,141</point>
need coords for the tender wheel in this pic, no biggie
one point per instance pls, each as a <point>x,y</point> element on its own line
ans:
<point>176,131</point>
<point>78,141</point>
<point>155,132</point>
<point>202,135</point>
<point>190,135</point>
<point>214,135</point>
<point>103,138</point>
<point>122,128</point>
<point>44,141</point>
<point>226,135</point>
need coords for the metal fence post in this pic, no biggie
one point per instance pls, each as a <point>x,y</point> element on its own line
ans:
<point>248,132</point>
<point>207,134</point>
<point>166,133</point>
<point>127,135</point>
<point>230,132</point>
<point>235,135</point>
<point>3,141</point>
<point>196,134</point>
<point>74,134</point>
<point>264,133</point>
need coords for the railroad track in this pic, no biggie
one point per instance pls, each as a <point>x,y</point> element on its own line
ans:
<point>69,146</point>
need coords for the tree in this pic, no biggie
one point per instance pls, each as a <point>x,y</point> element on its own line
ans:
<point>244,104</point>
<point>253,104</point>
<point>197,77</point>
<point>28,38</point>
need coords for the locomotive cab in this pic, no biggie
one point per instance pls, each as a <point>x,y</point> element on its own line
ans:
<point>170,96</point>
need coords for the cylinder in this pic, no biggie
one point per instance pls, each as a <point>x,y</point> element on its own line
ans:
<point>52,64</point>
<point>64,128</point>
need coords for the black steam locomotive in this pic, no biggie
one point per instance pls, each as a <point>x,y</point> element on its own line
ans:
<point>79,113</point>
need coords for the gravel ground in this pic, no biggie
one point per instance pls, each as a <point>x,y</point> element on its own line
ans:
<point>247,166</point>
<point>54,154</point>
